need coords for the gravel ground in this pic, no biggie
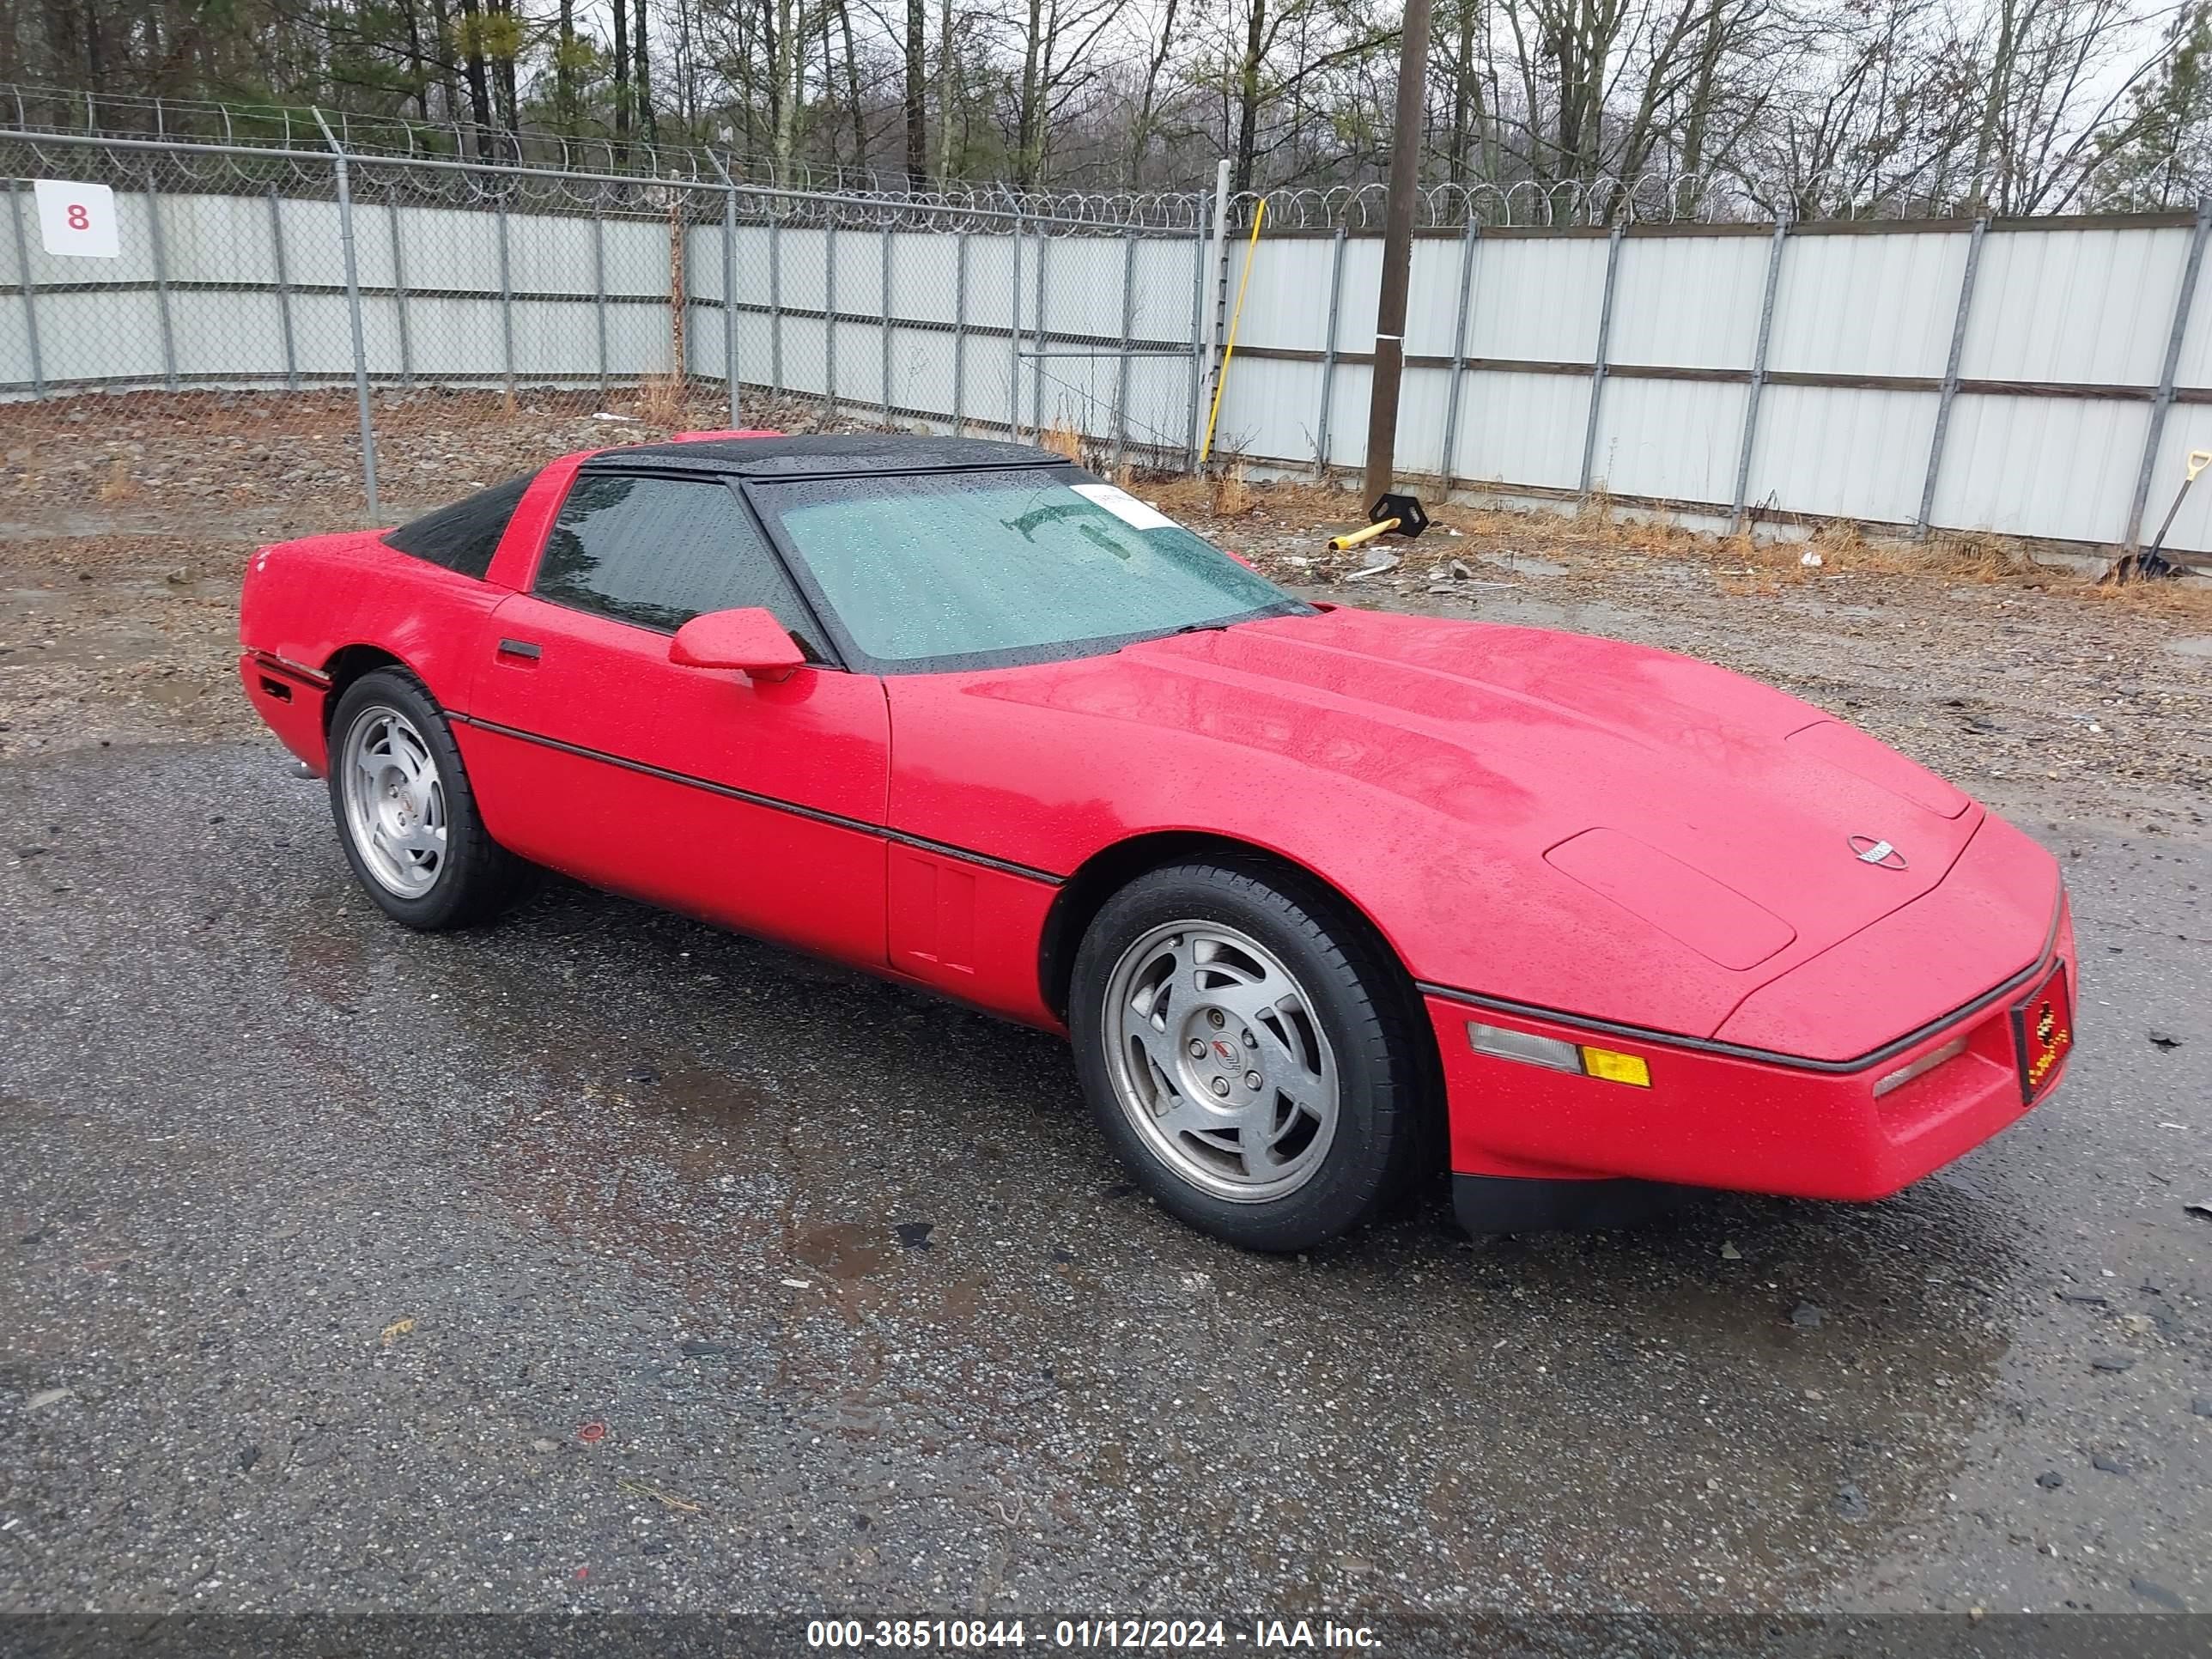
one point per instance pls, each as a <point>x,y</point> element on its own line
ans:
<point>600,1261</point>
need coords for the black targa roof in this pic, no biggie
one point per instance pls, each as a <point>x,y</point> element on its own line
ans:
<point>827,455</point>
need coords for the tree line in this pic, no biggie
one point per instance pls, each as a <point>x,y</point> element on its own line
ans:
<point>1815,107</point>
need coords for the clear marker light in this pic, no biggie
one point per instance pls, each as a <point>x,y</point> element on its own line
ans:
<point>1608,1065</point>
<point>1920,1067</point>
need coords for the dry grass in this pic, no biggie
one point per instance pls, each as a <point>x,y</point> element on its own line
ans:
<point>2182,601</point>
<point>660,400</point>
<point>119,485</point>
<point>1062,439</point>
<point>1742,564</point>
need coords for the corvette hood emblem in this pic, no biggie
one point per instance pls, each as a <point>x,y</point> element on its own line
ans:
<point>1868,850</point>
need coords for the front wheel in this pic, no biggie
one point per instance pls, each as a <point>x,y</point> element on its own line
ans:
<point>1245,1047</point>
<point>405,814</point>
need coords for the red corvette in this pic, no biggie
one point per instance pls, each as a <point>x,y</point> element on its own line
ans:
<point>1324,897</point>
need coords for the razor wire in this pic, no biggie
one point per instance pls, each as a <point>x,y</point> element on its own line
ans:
<point>598,169</point>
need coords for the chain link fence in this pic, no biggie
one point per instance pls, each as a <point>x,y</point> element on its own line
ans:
<point>385,331</point>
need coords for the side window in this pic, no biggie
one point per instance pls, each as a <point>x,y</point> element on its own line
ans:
<point>659,552</point>
<point>465,536</point>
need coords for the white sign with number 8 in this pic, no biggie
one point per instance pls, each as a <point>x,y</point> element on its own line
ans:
<point>77,220</point>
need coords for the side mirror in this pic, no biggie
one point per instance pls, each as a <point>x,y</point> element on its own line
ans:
<point>750,640</point>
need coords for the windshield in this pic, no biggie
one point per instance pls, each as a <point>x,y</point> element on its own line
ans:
<point>990,568</point>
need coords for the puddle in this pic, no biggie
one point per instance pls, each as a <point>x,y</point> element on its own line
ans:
<point>845,1249</point>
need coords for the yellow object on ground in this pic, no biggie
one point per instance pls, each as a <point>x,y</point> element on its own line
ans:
<point>1357,538</point>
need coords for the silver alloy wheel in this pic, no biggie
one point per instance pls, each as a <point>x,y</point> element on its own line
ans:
<point>1218,1057</point>
<point>395,801</point>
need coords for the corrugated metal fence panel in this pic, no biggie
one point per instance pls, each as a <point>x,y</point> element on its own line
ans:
<point>1421,397</point>
<point>2188,426</point>
<point>1349,393</point>
<point>2194,367</point>
<point>2073,304</point>
<point>1083,285</point>
<point>1842,453</point>
<point>1270,408</point>
<point>1355,311</point>
<point>1286,302</point>
<point>1514,428</point>
<point>636,254</point>
<point>1867,304</point>
<point>1534,300</point>
<point>1167,277</point>
<point>2089,305</point>
<point>20,202</point>
<point>925,276</point>
<point>1690,302</point>
<point>2041,466</point>
<point>803,255</point>
<point>546,254</point>
<point>1432,300</point>
<point>227,240</point>
<point>991,261</point>
<point>860,272</point>
<point>1672,441</point>
<point>450,249</point>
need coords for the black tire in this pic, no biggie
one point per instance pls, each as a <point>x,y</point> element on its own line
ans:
<point>1384,1133</point>
<point>475,878</point>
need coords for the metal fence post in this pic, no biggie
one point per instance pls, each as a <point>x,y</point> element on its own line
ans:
<point>160,251</point>
<point>30,305</point>
<point>730,296</point>
<point>1328,355</point>
<point>959,328</point>
<point>1128,328</point>
<point>776,298</point>
<point>1459,357</point>
<point>1597,364</point>
<point>284,291</point>
<point>829,315</point>
<point>1036,343</point>
<point>400,299</point>
<point>886,297</point>
<point>353,309</point>
<point>1014,335</point>
<point>2164,401</point>
<point>506,304</point>
<point>1758,371</point>
<point>1950,379</point>
<point>599,292</point>
<point>1197,345</point>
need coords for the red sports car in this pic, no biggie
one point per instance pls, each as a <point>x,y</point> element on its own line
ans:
<point>1325,897</point>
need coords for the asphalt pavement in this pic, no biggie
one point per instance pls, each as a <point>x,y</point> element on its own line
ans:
<point>597,1260</point>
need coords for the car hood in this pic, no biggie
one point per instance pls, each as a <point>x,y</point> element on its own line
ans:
<point>1528,813</point>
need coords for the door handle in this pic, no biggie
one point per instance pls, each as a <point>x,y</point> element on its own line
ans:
<point>527,649</point>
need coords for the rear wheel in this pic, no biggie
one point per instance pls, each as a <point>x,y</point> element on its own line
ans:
<point>405,814</point>
<point>1244,1047</point>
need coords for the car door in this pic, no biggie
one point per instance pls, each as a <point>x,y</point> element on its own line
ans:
<point>754,803</point>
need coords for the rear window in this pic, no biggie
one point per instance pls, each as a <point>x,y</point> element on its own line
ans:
<point>465,536</point>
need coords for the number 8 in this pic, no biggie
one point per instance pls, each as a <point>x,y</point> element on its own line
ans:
<point>80,217</point>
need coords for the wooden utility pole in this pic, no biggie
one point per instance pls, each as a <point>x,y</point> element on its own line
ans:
<point>1397,253</point>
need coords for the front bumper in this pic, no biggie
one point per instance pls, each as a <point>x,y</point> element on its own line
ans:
<point>1718,1117</point>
